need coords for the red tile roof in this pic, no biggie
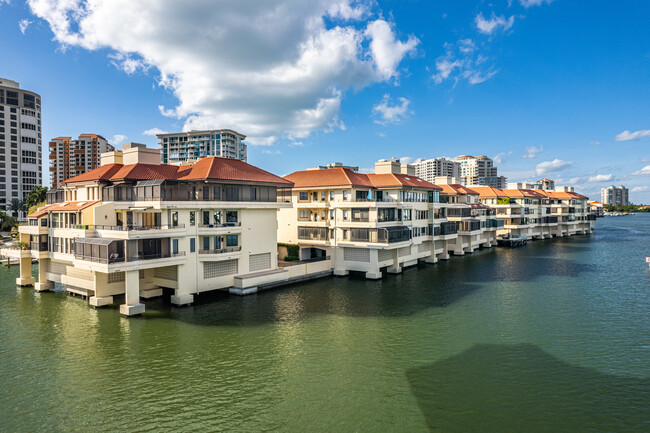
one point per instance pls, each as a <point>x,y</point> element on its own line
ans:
<point>457,189</point>
<point>489,191</point>
<point>212,167</point>
<point>70,206</point>
<point>344,177</point>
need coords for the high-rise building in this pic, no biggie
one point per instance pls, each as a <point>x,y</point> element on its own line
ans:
<point>615,195</point>
<point>21,159</point>
<point>479,171</point>
<point>429,169</point>
<point>70,158</point>
<point>190,146</point>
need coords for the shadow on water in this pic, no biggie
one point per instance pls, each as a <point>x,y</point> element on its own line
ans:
<point>414,290</point>
<point>521,388</point>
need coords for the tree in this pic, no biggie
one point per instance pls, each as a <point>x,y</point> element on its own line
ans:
<point>36,196</point>
<point>17,206</point>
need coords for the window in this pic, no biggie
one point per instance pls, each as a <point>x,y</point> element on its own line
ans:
<point>331,195</point>
<point>206,193</point>
<point>332,214</point>
<point>303,214</point>
<point>174,246</point>
<point>216,190</point>
<point>174,219</point>
<point>253,193</point>
<point>232,240</point>
<point>345,195</point>
<point>192,218</point>
<point>192,245</point>
<point>304,196</point>
<point>232,193</point>
<point>206,243</point>
<point>231,216</point>
<point>206,218</point>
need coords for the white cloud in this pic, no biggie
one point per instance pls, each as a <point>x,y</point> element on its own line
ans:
<point>645,171</point>
<point>627,135</point>
<point>529,3</point>
<point>406,159</point>
<point>501,157</point>
<point>118,139</point>
<point>462,62</point>
<point>154,132</point>
<point>601,178</point>
<point>531,152</point>
<point>394,113</point>
<point>493,24</point>
<point>267,68</point>
<point>23,24</point>
<point>594,143</point>
<point>386,50</point>
<point>552,166</point>
<point>641,188</point>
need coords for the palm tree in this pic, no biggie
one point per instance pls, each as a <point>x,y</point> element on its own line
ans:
<point>17,206</point>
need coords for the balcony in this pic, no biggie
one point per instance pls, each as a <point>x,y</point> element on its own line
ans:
<point>446,229</point>
<point>219,225</point>
<point>221,250</point>
<point>469,226</point>
<point>386,235</point>
<point>38,246</point>
<point>312,234</point>
<point>132,228</point>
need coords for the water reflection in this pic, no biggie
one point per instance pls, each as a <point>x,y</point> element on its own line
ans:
<point>521,388</point>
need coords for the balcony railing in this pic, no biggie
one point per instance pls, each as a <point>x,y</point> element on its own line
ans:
<point>129,228</point>
<point>38,246</point>
<point>219,225</point>
<point>494,223</point>
<point>381,235</point>
<point>221,250</point>
<point>283,264</point>
<point>154,256</point>
<point>448,228</point>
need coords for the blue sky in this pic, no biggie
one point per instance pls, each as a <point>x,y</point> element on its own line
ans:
<point>548,88</point>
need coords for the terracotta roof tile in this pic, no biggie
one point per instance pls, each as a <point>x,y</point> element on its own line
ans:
<point>344,177</point>
<point>388,180</point>
<point>207,168</point>
<point>69,206</point>
<point>457,189</point>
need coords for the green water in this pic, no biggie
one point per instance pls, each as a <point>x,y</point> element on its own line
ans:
<point>553,337</point>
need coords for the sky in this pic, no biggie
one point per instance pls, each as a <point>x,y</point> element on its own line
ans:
<point>548,88</point>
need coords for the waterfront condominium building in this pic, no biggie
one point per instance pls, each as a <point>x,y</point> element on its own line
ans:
<point>70,158</point>
<point>20,142</point>
<point>479,171</point>
<point>615,196</point>
<point>134,227</point>
<point>429,169</point>
<point>188,147</point>
<point>365,222</point>
<point>538,214</point>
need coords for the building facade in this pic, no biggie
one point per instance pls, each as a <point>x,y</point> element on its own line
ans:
<point>21,156</point>
<point>429,169</point>
<point>479,171</point>
<point>70,158</point>
<point>134,227</point>
<point>188,147</point>
<point>615,196</point>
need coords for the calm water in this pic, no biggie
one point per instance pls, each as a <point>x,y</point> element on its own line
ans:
<point>553,337</point>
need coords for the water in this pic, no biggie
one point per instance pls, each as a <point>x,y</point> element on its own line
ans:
<point>552,337</point>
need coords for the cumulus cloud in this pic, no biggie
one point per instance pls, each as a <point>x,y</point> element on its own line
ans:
<point>641,188</point>
<point>601,178</point>
<point>118,139</point>
<point>529,3</point>
<point>627,135</point>
<point>531,152</point>
<point>154,132</point>
<point>552,166</point>
<point>406,160</point>
<point>267,68</point>
<point>391,113</point>
<point>645,171</point>
<point>493,24</point>
<point>23,24</point>
<point>501,157</point>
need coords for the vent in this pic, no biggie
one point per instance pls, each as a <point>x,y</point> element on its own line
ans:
<point>259,262</point>
<point>356,255</point>
<point>220,269</point>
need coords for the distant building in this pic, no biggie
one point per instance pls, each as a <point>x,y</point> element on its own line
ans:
<point>597,208</point>
<point>69,158</point>
<point>429,169</point>
<point>21,156</point>
<point>190,146</point>
<point>393,165</point>
<point>354,169</point>
<point>615,195</point>
<point>479,171</point>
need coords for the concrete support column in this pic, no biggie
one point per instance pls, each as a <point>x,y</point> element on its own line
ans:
<point>341,272</point>
<point>132,305</point>
<point>25,278</point>
<point>187,285</point>
<point>394,269</point>
<point>43,284</point>
<point>431,259</point>
<point>373,275</point>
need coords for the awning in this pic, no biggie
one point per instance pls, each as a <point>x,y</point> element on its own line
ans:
<point>150,182</point>
<point>96,241</point>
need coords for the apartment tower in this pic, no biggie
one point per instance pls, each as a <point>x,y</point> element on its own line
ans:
<point>20,142</point>
<point>188,147</point>
<point>615,195</point>
<point>479,171</point>
<point>70,158</point>
<point>429,169</point>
